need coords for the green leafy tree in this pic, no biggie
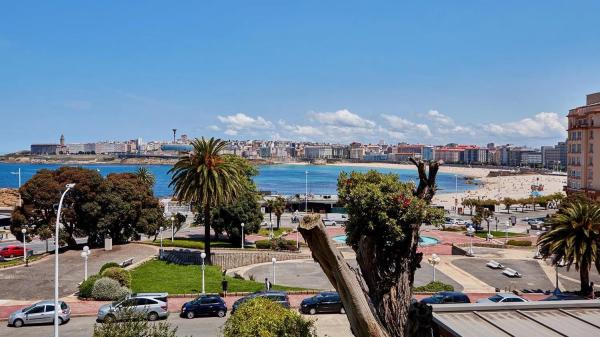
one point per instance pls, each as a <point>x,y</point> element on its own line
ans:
<point>471,204</point>
<point>278,208</point>
<point>133,324</point>
<point>245,208</point>
<point>508,202</point>
<point>385,215</point>
<point>574,238</point>
<point>204,177</point>
<point>261,317</point>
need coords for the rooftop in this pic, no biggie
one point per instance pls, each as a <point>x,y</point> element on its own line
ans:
<point>531,319</point>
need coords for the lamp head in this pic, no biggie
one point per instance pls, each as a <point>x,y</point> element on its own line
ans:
<point>86,249</point>
<point>70,185</point>
<point>242,224</point>
<point>84,254</point>
<point>161,228</point>
<point>274,260</point>
<point>172,218</point>
<point>23,230</point>
<point>203,255</point>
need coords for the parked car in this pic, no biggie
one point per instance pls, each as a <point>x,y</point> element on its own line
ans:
<point>502,298</point>
<point>13,251</point>
<point>325,302</point>
<point>162,297</point>
<point>280,297</point>
<point>149,306</point>
<point>39,313</point>
<point>477,227</point>
<point>447,297</point>
<point>329,222</point>
<point>204,305</point>
<point>564,297</point>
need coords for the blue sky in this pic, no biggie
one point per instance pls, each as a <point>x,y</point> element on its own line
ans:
<point>427,71</point>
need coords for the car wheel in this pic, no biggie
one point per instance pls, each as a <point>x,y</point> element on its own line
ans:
<point>312,311</point>
<point>109,318</point>
<point>152,316</point>
<point>18,323</point>
<point>342,310</point>
<point>221,313</point>
<point>11,256</point>
<point>60,321</point>
<point>190,314</point>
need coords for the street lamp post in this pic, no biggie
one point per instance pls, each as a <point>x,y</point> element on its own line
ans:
<point>172,228</point>
<point>298,237</point>
<point>203,256</point>
<point>24,231</point>
<point>471,232</point>
<point>537,251</point>
<point>306,192</point>
<point>161,245</point>
<point>271,229</point>
<point>242,235</point>
<point>506,227</point>
<point>273,260</point>
<point>19,174</point>
<point>456,193</point>
<point>56,244</point>
<point>85,254</point>
<point>433,261</point>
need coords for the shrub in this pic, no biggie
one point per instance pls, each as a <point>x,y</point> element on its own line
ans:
<point>276,244</point>
<point>265,318</point>
<point>520,243</point>
<point>108,265</point>
<point>85,288</point>
<point>108,289</point>
<point>134,325</point>
<point>434,287</point>
<point>119,274</point>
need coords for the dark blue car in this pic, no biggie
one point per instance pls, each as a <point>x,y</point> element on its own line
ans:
<point>447,297</point>
<point>204,305</point>
<point>325,302</point>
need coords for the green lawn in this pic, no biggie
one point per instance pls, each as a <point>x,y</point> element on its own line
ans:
<point>19,261</point>
<point>498,234</point>
<point>276,232</point>
<point>189,243</point>
<point>159,276</point>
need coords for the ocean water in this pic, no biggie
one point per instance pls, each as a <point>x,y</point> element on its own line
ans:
<point>279,179</point>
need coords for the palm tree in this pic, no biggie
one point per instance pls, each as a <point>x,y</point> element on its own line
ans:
<point>278,208</point>
<point>207,179</point>
<point>145,176</point>
<point>574,239</point>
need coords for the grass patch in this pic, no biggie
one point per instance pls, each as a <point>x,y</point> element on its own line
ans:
<point>434,287</point>
<point>498,234</point>
<point>276,232</point>
<point>19,261</point>
<point>189,243</point>
<point>159,276</point>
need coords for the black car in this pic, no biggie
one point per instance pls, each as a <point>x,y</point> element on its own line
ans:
<point>564,297</point>
<point>280,297</point>
<point>204,305</point>
<point>325,302</point>
<point>444,297</point>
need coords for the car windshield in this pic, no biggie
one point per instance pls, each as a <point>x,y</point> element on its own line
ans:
<point>496,298</point>
<point>28,308</point>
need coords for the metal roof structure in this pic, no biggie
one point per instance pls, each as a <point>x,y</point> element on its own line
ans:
<point>531,319</point>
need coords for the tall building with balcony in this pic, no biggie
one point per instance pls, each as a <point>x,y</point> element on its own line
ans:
<point>583,175</point>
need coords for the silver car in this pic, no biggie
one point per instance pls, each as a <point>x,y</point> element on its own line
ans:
<point>502,298</point>
<point>40,313</point>
<point>148,306</point>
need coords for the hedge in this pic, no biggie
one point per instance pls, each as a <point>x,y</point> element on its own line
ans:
<point>109,289</point>
<point>108,265</point>
<point>276,244</point>
<point>520,243</point>
<point>86,287</point>
<point>434,287</point>
<point>118,274</point>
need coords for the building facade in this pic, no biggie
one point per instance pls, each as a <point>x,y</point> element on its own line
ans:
<point>583,175</point>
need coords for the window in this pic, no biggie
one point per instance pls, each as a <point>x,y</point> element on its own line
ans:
<point>49,308</point>
<point>36,310</point>
<point>591,148</point>
<point>592,133</point>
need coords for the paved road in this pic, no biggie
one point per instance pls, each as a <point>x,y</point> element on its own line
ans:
<point>36,281</point>
<point>334,325</point>
<point>37,245</point>
<point>308,274</point>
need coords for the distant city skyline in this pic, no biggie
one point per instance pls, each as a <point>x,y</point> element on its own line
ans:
<point>429,72</point>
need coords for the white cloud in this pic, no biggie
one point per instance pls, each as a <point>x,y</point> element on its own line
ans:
<point>234,124</point>
<point>439,118</point>
<point>214,128</point>
<point>301,130</point>
<point>542,125</point>
<point>399,124</point>
<point>342,118</point>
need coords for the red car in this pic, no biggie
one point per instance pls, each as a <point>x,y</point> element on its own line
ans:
<point>12,251</point>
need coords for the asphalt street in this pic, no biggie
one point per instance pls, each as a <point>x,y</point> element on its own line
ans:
<point>334,325</point>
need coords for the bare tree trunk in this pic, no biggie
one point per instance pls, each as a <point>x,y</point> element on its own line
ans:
<point>584,278</point>
<point>346,280</point>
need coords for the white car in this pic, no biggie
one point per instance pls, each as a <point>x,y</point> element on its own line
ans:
<point>502,298</point>
<point>329,222</point>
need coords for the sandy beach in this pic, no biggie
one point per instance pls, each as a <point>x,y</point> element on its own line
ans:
<point>518,186</point>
